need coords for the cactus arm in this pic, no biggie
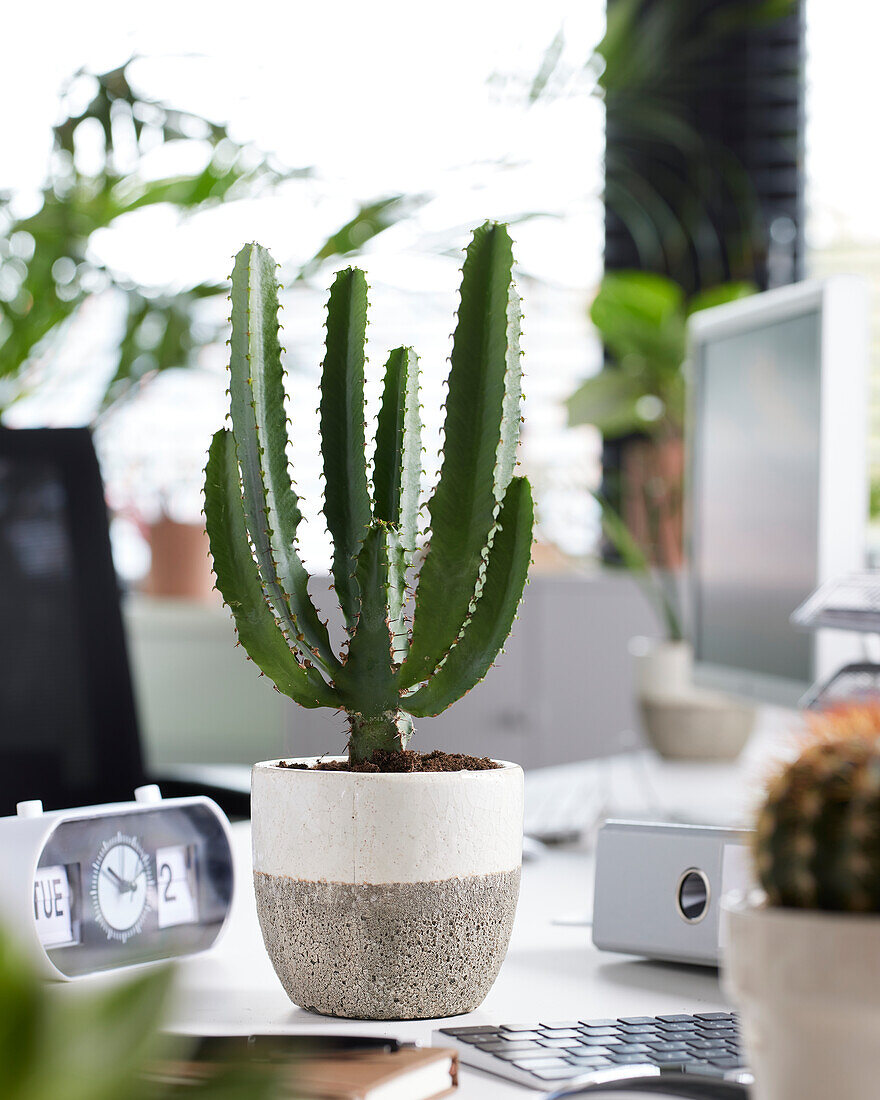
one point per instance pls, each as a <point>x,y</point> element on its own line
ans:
<point>464,503</point>
<point>397,566</point>
<point>511,409</point>
<point>397,474</point>
<point>346,496</point>
<point>238,580</point>
<point>506,571</point>
<point>260,430</point>
<point>367,681</point>
<point>398,464</point>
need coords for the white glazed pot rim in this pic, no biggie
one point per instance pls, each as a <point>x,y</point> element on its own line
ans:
<point>801,957</point>
<point>273,765</point>
<point>754,906</point>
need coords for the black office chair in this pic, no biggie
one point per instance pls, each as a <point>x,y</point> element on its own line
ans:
<point>68,725</point>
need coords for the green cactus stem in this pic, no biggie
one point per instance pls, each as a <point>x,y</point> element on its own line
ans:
<point>481,515</point>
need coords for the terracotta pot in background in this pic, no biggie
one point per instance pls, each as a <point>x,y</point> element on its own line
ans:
<point>181,566</point>
<point>652,474</point>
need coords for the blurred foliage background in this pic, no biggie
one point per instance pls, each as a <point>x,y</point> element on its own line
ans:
<point>48,269</point>
<point>100,1043</point>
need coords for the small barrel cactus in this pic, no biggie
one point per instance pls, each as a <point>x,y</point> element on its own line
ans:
<point>817,837</point>
<point>407,653</point>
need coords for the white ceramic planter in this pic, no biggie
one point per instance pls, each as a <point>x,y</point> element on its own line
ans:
<point>661,668</point>
<point>681,721</point>
<point>807,984</point>
<point>386,896</point>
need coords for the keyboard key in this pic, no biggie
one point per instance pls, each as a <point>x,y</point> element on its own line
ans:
<point>629,1059</point>
<point>598,1023</point>
<point>555,1074</point>
<point>592,1061</point>
<point>600,1040</point>
<point>714,1016</point>
<point>519,1036</point>
<point>678,1018</point>
<point>724,1063</point>
<point>600,1030</point>
<point>560,1043</point>
<point>565,1025</point>
<point>637,1029</point>
<point>542,1054</point>
<point>519,1031</point>
<point>541,1063</point>
<point>669,1057</point>
<point>677,1027</point>
<point>503,1045</point>
<point>631,1048</point>
<point>464,1032</point>
<point>664,1047</point>
<point>714,1025</point>
<point>705,1044</point>
<point>561,1032</point>
<point>637,1019</point>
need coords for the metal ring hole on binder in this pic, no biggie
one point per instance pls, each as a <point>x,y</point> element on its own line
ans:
<point>692,895</point>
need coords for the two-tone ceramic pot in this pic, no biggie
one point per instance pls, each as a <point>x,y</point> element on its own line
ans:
<point>386,895</point>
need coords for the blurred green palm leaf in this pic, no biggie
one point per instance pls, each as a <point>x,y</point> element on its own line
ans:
<point>642,319</point>
<point>48,267</point>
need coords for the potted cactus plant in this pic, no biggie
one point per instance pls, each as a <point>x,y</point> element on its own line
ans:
<point>802,955</point>
<point>386,881</point>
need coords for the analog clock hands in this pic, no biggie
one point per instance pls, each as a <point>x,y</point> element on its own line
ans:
<point>123,885</point>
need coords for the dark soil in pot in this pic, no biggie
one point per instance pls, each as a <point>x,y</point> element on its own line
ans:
<point>408,761</point>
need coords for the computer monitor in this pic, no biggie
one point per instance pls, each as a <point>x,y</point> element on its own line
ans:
<point>777,480</point>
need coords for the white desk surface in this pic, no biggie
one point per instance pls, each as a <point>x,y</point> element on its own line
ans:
<point>552,971</point>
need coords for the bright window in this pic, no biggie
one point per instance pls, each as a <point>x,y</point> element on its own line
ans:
<point>377,98</point>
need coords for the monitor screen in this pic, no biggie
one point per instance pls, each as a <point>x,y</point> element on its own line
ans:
<point>755,486</point>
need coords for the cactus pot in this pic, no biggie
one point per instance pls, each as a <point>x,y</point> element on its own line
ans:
<point>807,984</point>
<point>386,896</point>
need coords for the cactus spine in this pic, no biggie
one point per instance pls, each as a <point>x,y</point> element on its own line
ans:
<point>481,515</point>
<point>817,838</point>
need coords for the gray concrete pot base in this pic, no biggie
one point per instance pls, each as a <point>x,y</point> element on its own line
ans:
<point>398,951</point>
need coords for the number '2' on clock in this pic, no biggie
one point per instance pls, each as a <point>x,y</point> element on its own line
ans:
<point>174,883</point>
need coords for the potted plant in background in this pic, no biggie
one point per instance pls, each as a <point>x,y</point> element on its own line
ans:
<point>639,397</point>
<point>386,884</point>
<point>680,720</point>
<point>802,955</point>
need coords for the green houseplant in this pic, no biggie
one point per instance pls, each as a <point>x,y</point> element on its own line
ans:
<point>803,953</point>
<point>639,397</point>
<point>418,840</point>
<point>104,1043</point>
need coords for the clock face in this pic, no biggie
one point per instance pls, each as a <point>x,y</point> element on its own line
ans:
<point>121,876</point>
<point>130,885</point>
